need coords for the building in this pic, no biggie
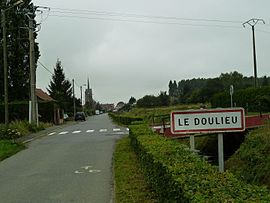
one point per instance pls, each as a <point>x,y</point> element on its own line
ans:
<point>89,102</point>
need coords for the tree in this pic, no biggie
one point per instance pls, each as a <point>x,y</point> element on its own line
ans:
<point>164,99</point>
<point>132,100</point>
<point>17,52</point>
<point>60,88</point>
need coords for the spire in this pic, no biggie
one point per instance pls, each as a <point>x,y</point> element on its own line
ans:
<point>88,83</point>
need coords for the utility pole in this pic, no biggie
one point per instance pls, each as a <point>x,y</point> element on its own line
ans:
<point>3,12</point>
<point>81,95</point>
<point>33,97</point>
<point>252,22</point>
<point>74,105</point>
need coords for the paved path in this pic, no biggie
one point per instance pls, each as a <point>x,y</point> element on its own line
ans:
<point>71,164</point>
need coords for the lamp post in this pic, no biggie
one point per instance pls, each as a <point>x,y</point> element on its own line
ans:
<point>3,23</point>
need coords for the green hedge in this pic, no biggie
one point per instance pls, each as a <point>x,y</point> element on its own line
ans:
<point>125,120</point>
<point>253,99</point>
<point>178,175</point>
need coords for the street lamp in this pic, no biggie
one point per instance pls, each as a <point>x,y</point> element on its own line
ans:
<point>3,23</point>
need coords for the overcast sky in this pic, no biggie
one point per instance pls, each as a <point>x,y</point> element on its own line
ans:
<point>133,48</point>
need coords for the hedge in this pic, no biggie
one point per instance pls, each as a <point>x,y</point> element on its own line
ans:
<point>125,120</point>
<point>179,175</point>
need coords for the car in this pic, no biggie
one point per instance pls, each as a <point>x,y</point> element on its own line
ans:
<point>80,116</point>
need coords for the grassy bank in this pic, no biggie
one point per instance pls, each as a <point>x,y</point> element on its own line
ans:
<point>129,181</point>
<point>8,148</point>
<point>251,162</point>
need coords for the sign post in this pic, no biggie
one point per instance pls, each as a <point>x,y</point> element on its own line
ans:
<point>208,121</point>
<point>220,153</point>
<point>231,93</point>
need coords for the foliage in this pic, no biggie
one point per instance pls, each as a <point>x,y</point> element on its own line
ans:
<point>253,99</point>
<point>154,115</point>
<point>178,175</point>
<point>202,90</point>
<point>130,185</point>
<point>251,162</point>
<point>150,101</point>
<point>60,88</point>
<point>18,129</point>
<point>19,111</point>
<point>124,120</point>
<point>8,148</point>
<point>132,101</point>
<point>17,51</point>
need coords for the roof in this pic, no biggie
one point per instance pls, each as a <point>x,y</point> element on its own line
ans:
<point>43,95</point>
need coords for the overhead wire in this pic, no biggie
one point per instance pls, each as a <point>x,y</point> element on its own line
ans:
<point>149,22</point>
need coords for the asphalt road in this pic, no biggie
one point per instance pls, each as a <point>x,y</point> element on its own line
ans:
<point>71,164</point>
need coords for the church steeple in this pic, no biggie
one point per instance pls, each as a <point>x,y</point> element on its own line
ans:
<point>88,83</point>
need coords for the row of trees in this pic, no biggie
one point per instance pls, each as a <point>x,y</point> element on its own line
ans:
<point>202,90</point>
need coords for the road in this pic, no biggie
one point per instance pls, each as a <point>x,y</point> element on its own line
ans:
<point>73,164</point>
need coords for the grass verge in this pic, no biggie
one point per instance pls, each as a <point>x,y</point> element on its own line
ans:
<point>129,181</point>
<point>8,148</point>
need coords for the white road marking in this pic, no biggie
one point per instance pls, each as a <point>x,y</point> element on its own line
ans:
<point>63,133</point>
<point>94,171</point>
<point>51,133</point>
<point>86,167</point>
<point>119,133</point>
<point>116,129</point>
<point>78,172</point>
<point>103,130</point>
<point>90,131</point>
<point>76,131</point>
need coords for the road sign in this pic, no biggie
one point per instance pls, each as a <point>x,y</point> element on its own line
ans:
<point>208,121</point>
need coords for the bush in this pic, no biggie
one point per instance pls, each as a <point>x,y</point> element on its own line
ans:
<point>124,120</point>
<point>178,175</point>
<point>9,134</point>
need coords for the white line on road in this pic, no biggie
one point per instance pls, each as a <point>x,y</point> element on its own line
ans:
<point>51,133</point>
<point>63,133</point>
<point>116,129</point>
<point>119,133</point>
<point>103,130</point>
<point>78,172</point>
<point>90,131</point>
<point>76,131</point>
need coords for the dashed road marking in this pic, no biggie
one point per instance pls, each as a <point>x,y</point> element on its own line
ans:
<point>63,133</point>
<point>116,129</point>
<point>76,131</point>
<point>119,133</point>
<point>90,131</point>
<point>51,133</point>
<point>103,130</point>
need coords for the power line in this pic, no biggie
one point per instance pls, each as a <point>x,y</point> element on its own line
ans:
<point>150,22</point>
<point>106,13</point>
<point>45,67</point>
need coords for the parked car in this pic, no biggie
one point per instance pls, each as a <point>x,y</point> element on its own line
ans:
<point>80,116</point>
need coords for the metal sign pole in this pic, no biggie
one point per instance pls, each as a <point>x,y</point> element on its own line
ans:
<point>220,153</point>
<point>192,142</point>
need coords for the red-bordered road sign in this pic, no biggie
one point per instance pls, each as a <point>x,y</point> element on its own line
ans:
<point>208,121</point>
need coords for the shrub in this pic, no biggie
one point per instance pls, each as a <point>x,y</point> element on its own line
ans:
<point>124,120</point>
<point>178,175</point>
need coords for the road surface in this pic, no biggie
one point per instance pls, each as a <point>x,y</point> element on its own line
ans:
<point>73,164</point>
